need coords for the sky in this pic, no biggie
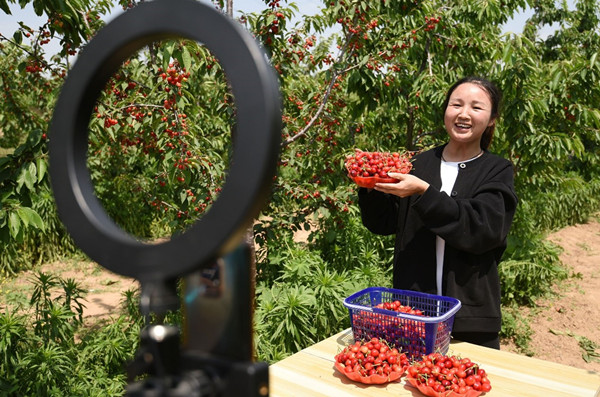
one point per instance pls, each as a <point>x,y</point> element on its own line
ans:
<point>8,23</point>
<point>311,7</point>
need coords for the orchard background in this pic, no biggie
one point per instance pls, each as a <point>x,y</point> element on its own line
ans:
<point>160,139</point>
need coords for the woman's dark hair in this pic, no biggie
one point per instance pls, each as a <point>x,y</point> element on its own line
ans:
<point>495,97</point>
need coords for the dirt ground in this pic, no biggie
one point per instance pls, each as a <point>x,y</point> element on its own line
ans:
<point>104,289</point>
<point>558,324</point>
<point>573,313</point>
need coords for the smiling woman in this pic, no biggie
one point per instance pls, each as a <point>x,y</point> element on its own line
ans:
<point>451,215</point>
<point>472,108</point>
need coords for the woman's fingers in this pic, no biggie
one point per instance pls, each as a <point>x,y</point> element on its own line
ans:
<point>396,175</point>
<point>407,185</point>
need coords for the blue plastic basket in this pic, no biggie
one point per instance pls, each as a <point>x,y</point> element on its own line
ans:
<point>415,335</point>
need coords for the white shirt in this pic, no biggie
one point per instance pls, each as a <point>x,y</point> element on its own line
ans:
<point>448,172</point>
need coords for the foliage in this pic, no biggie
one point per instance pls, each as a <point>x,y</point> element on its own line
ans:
<point>531,264</point>
<point>300,291</point>
<point>516,329</point>
<point>525,280</point>
<point>30,231</point>
<point>348,244</point>
<point>48,350</point>
<point>305,302</point>
<point>569,201</point>
<point>590,349</point>
<point>29,228</point>
<point>152,138</point>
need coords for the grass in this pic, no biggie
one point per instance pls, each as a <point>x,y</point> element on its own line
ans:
<point>14,292</point>
<point>584,246</point>
<point>516,329</point>
<point>590,350</point>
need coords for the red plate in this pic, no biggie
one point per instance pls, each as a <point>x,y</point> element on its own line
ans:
<point>428,390</point>
<point>369,380</point>
<point>370,181</point>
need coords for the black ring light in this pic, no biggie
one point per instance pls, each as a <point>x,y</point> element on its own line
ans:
<point>252,165</point>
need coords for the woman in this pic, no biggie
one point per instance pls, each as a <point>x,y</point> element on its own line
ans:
<point>452,213</point>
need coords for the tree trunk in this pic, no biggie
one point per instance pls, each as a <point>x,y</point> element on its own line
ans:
<point>229,8</point>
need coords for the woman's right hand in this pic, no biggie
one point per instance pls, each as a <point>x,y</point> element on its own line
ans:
<point>407,185</point>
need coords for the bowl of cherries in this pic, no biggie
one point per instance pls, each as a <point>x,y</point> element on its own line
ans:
<point>368,168</point>
<point>371,361</point>
<point>438,375</point>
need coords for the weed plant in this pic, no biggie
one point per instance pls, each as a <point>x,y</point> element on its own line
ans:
<point>47,349</point>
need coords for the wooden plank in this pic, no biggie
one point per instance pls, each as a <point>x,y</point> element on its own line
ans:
<point>557,379</point>
<point>311,373</point>
<point>307,375</point>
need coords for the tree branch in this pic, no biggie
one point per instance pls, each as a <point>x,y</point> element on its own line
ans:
<point>335,74</point>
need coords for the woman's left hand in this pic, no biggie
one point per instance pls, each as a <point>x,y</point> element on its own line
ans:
<point>407,185</point>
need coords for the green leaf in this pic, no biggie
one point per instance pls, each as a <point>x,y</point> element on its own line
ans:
<point>166,57</point>
<point>518,41</point>
<point>14,224</point>
<point>27,177</point>
<point>4,7</point>
<point>330,235</point>
<point>507,53</point>
<point>21,67</point>
<point>187,59</point>
<point>111,133</point>
<point>586,357</point>
<point>30,217</point>
<point>556,79</point>
<point>18,37</point>
<point>33,138</point>
<point>42,166</point>
<point>38,7</point>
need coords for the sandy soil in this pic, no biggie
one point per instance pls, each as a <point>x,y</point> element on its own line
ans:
<point>104,289</point>
<point>557,323</point>
<point>573,313</point>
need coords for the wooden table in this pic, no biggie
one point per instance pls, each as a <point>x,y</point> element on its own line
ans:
<point>310,372</point>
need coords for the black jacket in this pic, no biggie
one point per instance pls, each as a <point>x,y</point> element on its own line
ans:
<point>474,221</point>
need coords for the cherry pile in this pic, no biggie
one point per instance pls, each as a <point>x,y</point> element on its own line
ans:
<point>371,361</point>
<point>374,361</point>
<point>402,332</point>
<point>438,374</point>
<point>377,164</point>
<point>396,306</point>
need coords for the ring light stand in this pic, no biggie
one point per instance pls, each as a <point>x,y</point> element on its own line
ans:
<point>216,358</point>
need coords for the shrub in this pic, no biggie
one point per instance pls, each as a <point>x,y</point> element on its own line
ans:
<point>305,303</point>
<point>47,350</point>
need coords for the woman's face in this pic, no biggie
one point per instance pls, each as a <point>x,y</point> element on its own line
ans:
<point>468,113</point>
